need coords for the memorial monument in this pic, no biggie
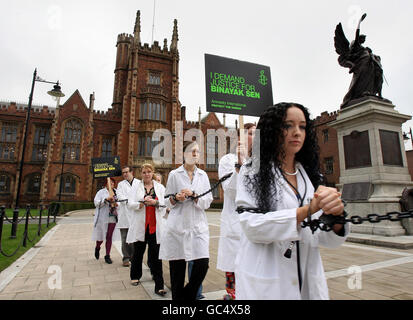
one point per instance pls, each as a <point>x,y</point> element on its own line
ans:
<point>373,164</point>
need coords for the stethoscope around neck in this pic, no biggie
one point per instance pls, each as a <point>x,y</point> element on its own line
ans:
<point>300,199</point>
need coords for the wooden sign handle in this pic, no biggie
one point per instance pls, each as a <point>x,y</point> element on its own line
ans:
<point>241,129</point>
<point>111,193</point>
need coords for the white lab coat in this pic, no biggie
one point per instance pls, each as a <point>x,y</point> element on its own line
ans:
<point>230,230</point>
<point>262,272</point>
<point>123,192</point>
<point>136,230</point>
<point>101,218</point>
<point>186,234</point>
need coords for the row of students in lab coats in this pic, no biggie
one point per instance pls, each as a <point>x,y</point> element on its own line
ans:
<point>175,228</point>
<point>140,214</point>
<point>269,255</point>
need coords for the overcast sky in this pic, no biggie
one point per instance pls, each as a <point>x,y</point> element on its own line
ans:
<point>74,42</point>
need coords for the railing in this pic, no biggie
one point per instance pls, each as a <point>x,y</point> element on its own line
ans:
<point>52,210</point>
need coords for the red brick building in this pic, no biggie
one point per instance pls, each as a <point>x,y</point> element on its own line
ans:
<point>145,98</point>
<point>327,141</point>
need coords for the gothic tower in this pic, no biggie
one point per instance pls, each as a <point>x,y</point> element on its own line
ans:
<point>146,93</point>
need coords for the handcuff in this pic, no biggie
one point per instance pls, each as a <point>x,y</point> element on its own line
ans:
<point>193,196</point>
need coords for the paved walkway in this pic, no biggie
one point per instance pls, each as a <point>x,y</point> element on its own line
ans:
<point>354,271</point>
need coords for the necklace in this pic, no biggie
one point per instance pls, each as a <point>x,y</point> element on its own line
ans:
<point>291,174</point>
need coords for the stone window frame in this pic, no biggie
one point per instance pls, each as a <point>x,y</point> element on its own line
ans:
<point>153,109</point>
<point>29,178</point>
<point>74,181</point>
<point>325,135</point>
<point>36,145</point>
<point>329,165</point>
<point>6,143</point>
<point>104,153</point>
<point>5,181</point>
<point>73,148</point>
<point>146,144</point>
<point>154,78</point>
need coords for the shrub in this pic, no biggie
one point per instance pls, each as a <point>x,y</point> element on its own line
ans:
<point>70,206</point>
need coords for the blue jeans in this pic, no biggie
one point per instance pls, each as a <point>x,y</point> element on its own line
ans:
<point>199,293</point>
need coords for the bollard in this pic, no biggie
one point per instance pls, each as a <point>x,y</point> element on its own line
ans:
<point>48,215</point>
<point>26,226</point>
<point>15,223</point>
<point>56,211</point>
<point>40,219</point>
<point>2,213</point>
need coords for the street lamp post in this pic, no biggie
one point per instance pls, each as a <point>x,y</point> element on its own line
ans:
<point>61,171</point>
<point>57,93</point>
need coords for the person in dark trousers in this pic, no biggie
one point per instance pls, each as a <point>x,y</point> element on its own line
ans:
<point>147,206</point>
<point>186,235</point>
<point>125,187</point>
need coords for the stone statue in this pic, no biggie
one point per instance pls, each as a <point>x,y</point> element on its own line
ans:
<point>363,64</point>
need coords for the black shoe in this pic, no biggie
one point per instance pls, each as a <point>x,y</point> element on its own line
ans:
<point>97,253</point>
<point>160,292</point>
<point>108,260</point>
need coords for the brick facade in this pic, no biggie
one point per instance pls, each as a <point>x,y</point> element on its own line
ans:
<point>143,74</point>
<point>327,141</point>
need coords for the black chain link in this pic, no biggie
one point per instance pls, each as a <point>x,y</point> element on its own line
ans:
<point>227,176</point>
<point>326,221</point>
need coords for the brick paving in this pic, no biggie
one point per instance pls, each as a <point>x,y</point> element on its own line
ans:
<point>387,274</point>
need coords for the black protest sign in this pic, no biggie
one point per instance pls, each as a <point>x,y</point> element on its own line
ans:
<point>106,167</point>
<point>238,87</point>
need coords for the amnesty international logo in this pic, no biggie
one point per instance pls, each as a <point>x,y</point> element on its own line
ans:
<point>263,79</point>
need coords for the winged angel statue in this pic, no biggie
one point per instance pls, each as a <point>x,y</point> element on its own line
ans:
<point>363,64</point>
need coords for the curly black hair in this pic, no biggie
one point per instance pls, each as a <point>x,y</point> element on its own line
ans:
<point>271,153</point>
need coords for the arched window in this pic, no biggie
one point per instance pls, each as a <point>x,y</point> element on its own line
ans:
<point>72,139</point>
<point>4,183</point>
<point>107,147</point>
<point>33,184</point>
<point>68,184</point>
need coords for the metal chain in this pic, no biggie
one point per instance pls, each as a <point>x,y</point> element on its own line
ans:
<point>227,176</point>
<point>326,221</point>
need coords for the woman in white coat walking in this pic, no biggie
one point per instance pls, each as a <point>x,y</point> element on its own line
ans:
<point>105,220</point>
<point>278,259</point>
<point>186,236</point>
<point>147,205</point>
<point>230,230</point>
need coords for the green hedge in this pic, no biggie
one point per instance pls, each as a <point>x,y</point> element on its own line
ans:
<point>216,205</point>
<point>71,206</point>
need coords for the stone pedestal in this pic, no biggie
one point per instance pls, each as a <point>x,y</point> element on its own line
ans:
<point>373,164</point>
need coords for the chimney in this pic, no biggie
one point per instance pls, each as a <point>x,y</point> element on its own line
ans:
<point>183,113</point>
<point>91,101</point>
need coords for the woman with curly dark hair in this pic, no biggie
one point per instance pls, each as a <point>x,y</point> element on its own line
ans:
<point>278,259</point>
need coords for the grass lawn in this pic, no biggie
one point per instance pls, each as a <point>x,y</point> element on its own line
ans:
<point>22,212</point>
<point>9,245</point>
